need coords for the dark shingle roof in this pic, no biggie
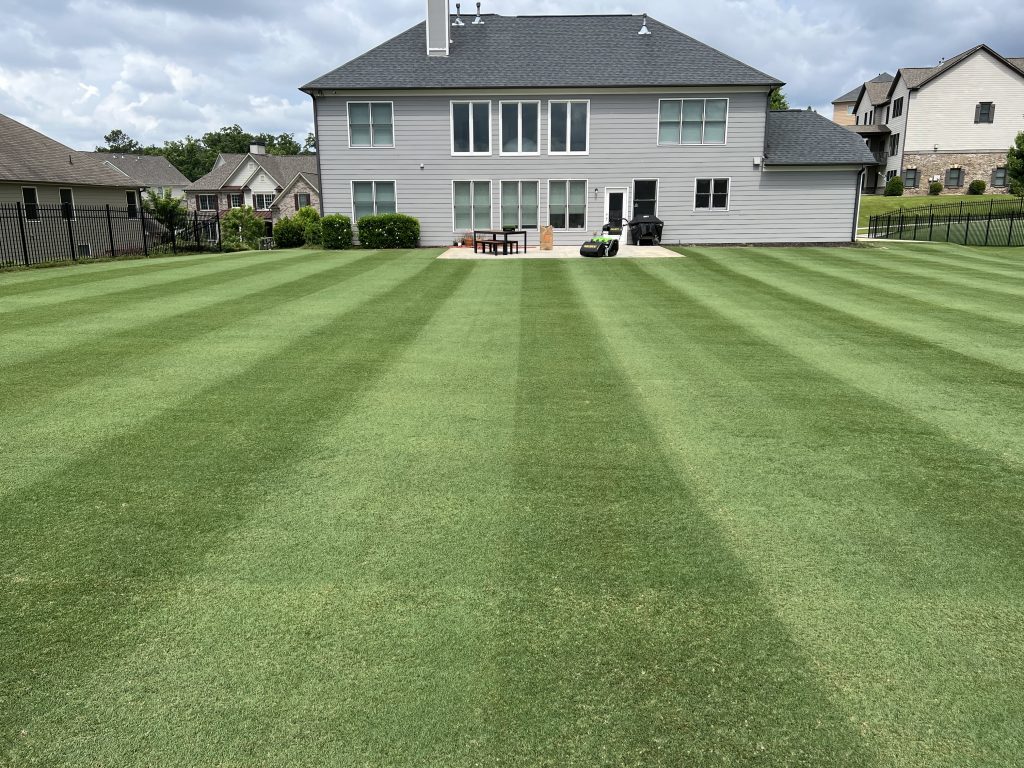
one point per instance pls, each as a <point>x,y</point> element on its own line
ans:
<point>802,137</point>
<point>545,52</point>
<point>883,77</point>
<point>147,170</point>
<point>29,156</point>
<point>282,167</point>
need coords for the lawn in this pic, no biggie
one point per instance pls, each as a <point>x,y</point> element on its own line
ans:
<point>872,205</point>
<point>752,506</point>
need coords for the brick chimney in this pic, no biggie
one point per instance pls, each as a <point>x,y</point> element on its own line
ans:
<point>258,148</point>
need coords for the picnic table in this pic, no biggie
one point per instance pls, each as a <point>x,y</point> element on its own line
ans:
<point>492,238</point>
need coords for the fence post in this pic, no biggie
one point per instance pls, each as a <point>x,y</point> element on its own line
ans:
<point>967,229</point>
<point>21,227</point>
<point>917,220</point>
<point>71,235</point>
<point>931,223</point>
<point>142,224</point>
<point>110,233</point>
<point>988,226</point>
<point>949,223</point>
<point>1009,236</point>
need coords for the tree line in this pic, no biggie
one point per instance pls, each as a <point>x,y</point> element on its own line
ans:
<point>195,157</point>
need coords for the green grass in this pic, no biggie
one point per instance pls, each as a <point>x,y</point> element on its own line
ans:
<point>748,507</point>
<point>872,205</point>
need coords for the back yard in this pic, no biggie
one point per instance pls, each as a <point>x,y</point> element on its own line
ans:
<point>751,506</point>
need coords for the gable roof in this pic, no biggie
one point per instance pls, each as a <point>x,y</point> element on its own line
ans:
<point>882,77</point>
<point>30,157</point>
<point>282,168</point>
<point>915,77</point>
<point>312,180</point>
<point>803,137</point>
<point>147,170</point>
<point>551,51</point>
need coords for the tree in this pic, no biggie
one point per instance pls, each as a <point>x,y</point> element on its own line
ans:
<point>282,144</point>
<point>1015,165</point>
<point>166,209</point>
<point>190,156</point>
<point>230,139</point>
<point>778,101</point>
<point>241,229</point>
<point>119,141</point>
<point>309,145</point>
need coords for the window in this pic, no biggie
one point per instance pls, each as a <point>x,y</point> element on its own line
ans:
<point>302,200</point>
<point>471,127</point>
<point>84,250</point>
<point>999,177</point>
<point>519,204</point>
<point>67,203</point>
<point>712,194</point>
<point>206,202</point>
<point>567,204</point>
<point>519,127</point>
<point>889,175</point>
<point>910,178</point>
<point>894,144</point>
<point>985,112</point>
<point>236,200</point>
<point>370,197</point>
<point>370,124</point>
<point>955,177</point>
<point>692,121</point>
<point>897,107</point>
<point>568,127</point>
<point>133,204</point>
<point>849,110</point>
<point>261,200</point>
<point>887,114</point>
<point>645,197</point>
<point>31,200</point>
<point>471,205</point>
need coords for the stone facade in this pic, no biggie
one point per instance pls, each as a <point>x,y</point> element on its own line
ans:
<point>287,207</point>
<point>976,166</point>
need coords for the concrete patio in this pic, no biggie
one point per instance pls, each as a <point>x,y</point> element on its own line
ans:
<point>564,252</point>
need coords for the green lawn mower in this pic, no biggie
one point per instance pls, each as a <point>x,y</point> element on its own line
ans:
<point>605,244</point>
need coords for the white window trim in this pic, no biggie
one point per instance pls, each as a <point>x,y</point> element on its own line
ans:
<point>501,129</point>
<point>307,194</point>
<point>490,129</point>
<point>586,206</point>
<point>371,145</point>
<point>375,182</point>
<point>657,192</point>
<point>520,182</point>
<point>712,209</point>
<point>231,195</point>
<point>271,195</point>
<point>199,201</point>
<point>490,224</point>
<point>74,214</point>
<point>626,201</point>
<point>681,143</point>
<point>24,205</point>
<point>568,129</point>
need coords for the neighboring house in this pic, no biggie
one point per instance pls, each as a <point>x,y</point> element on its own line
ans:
<point>572,121</point>
<point>844,109</point>
<point>150,171</point>
<point>54,198</point>
<point>951,123</point>
<point>272,185</point>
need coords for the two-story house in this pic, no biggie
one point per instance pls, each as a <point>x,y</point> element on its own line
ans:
<point>272,185</point>
<point>844,108</point>
<point>951,123</point>
<point>573,121</point>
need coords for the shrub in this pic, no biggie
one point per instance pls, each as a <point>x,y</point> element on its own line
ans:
<point>389,230</point>
<point>241,229</point>
<point>894,187</point>
<point>289,233</point>
<point>309,218</point>
<point>935,188</point>
<point>977,187</point>
<point>337,231</point>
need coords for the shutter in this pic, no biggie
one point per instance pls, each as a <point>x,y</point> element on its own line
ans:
<point>296,198</point>
<point>992,112</point>
<point>977,113</point>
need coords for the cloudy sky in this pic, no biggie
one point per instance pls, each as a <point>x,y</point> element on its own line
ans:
<point>161,70</point>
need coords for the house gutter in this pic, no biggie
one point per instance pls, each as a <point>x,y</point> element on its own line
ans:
<point>316,137</point>
<point>856,207</point>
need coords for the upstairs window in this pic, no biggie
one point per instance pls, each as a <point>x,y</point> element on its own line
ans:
<point>471,205</point>
<point>236,200</point>
<point>910,178</point>
<point>370,197</point>
<point>67,204</point>
<point>261,201</point>
<point>645,197</point>
<point>897,107</point>
<point>849,110</point>
<point>999,177</point>
<point>371,124</point>
<point>985,112</point>
<point>519,204</point>
<point>712,194</point>
<point>692,121</point>
<point>31,200</point>
<point>568,127</point>
<point>206,202</point>
<point>471,127</point>
<point>567,204</point>
<point>519,127</point>
<point>894,144</point>
<point>955,177</point>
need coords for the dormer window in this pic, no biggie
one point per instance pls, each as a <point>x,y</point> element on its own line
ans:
<point>985,112</point>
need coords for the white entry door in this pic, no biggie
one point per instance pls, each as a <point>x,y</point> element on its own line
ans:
<point>615,207</point>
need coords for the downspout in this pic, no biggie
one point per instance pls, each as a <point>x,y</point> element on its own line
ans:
<point>856,207</point>
<point>316,138</point>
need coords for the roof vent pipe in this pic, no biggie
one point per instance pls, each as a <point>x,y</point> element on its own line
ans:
<point>458,16</point>
<point>644,30</point>
<point>478,20</point>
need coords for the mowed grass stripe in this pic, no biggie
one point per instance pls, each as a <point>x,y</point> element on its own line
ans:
<point>621,649</point>
<point>120,528</point>
<point>969,261</point>
<point>44,432</point>
<point>896,263</point>
<point>375,589</point>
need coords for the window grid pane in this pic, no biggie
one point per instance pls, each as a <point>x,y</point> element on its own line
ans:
<point>528,205</point>
<point>530,115</point>
<point>481,127</point>
<point>460,127</point>
<point>559,126</point>
<point>578,126</point>
<point>557,201</point>
<point>509,127</point>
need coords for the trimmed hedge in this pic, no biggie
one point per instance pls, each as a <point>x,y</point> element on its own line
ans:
<point>337,231</point>
<point>289,233</point>
<point>309,218</point>
<point>894,187</point>
<point>977,187</point>
<point>389,230</point>
<point>935,188</point>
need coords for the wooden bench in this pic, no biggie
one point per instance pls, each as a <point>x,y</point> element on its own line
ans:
<point>492,246</point>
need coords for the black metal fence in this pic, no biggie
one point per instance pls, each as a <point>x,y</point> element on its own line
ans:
<point>36,234</point>
<point>985,222</point>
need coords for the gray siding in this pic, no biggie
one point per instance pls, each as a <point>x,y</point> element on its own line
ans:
<point>770,206</point>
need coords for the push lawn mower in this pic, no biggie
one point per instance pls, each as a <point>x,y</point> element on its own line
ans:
<point>605,244</point>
